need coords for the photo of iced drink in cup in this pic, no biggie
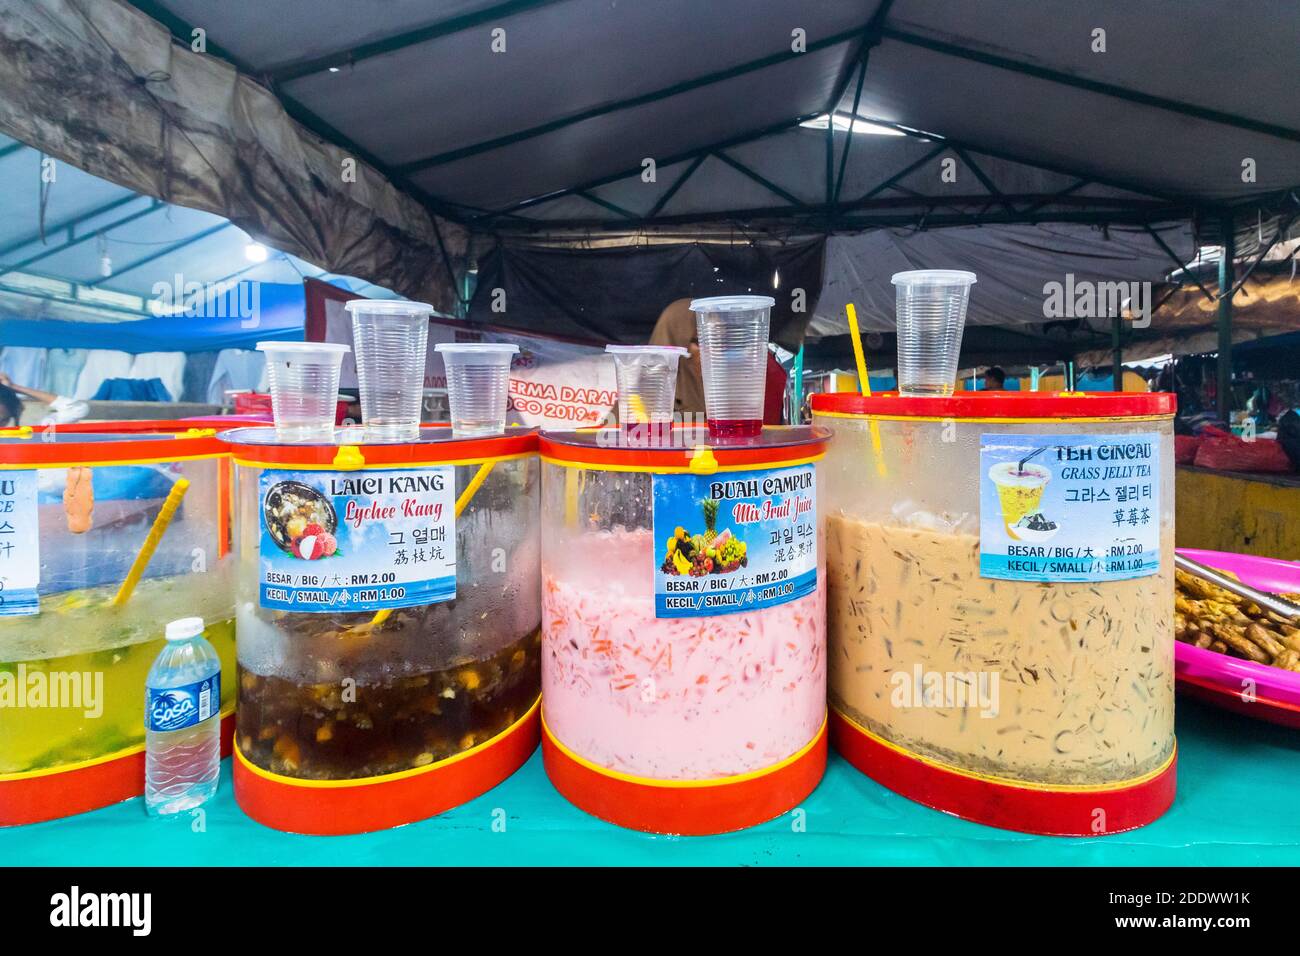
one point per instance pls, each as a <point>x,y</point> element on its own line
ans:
<point>1020,490</point>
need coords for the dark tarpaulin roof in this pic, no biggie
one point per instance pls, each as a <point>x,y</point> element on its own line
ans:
<point>616,294</point>
<point>553,131</point>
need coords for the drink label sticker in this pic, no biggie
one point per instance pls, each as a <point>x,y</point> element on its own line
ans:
<point>734,541</point>
<point>20,553</point>
<point>357,541</point>
<point>1065,508</point>
<point>175,708</point>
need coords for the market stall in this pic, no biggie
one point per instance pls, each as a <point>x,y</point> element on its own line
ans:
<point>821,641</point>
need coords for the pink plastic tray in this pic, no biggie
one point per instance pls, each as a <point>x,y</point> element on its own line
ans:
<point>1221,679</point>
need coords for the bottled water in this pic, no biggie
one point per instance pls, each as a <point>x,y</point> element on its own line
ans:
<point>182,721</point>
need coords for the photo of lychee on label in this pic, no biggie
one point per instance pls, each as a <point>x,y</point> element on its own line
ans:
<point>301,521</point>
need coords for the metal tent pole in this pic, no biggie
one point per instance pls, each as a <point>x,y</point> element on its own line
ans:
<point>1227,278</point>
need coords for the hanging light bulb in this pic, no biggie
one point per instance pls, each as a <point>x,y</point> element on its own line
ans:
<point>255,252</point>
<point>105,260</point>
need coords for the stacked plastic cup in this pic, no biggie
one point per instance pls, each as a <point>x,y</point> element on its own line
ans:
<point>391,338</point>
<point>478,383</point>
<point>304,381</point>
<point>931,311</point>
<point>732,330</point>
<point>647,382</point>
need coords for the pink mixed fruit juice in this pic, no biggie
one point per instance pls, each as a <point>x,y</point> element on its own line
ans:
<point>685,698</point>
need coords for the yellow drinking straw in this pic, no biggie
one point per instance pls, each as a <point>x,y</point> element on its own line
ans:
<point>864,386</point>
<point>462,503</point>
<point>160,523</point>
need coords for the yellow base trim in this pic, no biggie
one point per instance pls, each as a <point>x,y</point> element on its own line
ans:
<point>679,469</point>
<point>1113,419</point>
<point>379,466</point>
<point>89,762</point>
<point>682,784</point>
<point>1008,781</point>
<point>387,777</point>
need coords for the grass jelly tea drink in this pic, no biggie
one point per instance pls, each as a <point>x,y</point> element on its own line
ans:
<point>733,330</point>
<point>1000,618</point>
<point>389,338</point>
<point>683,607</point>
<point>111,535</point>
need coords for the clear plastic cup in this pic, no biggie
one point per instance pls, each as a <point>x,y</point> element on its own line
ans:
<point>304,381</point>
<point>647,382</point>
<point>390,337</point>
<point>732,330</point>
<point>931,311</point>
<point>478,383</point>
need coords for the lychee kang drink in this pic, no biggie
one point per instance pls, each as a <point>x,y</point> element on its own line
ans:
<point>683,623</point>
<point>388,605</point>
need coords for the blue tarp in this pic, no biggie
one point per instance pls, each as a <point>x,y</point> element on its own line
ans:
<point>247,313</point>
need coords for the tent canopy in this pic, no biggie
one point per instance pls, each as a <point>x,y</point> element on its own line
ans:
<point>237,317</point>
<point>515,116</point>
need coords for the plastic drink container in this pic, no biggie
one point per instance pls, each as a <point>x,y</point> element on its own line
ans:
<point>478,381</point>
<point>931,312</point>
<point>647,383</point>
<point>732,330</point>
<point>304,382</point>
<point>182,721</point>
<point>390,338</point>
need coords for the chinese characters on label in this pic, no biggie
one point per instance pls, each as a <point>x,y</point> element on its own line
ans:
<point>357,541</point>
<point>734,541</point>
<point>1069,507</point>
<point>20,556</point>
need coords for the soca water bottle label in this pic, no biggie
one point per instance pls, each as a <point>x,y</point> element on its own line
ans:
<point>1069,508</point>
<point>357,541</point>
<point>175,708</point>
<point>734,541</point>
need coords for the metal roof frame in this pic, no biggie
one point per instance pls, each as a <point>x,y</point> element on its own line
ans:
<point>631,102</point>
<point>154,206</point>
<point>164,251</point>
<point>1092,86</point>
<point>297,69</point>
<point>832,212</point>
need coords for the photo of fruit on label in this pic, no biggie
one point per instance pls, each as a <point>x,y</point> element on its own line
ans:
<point>734,541</point>
<point>1069,507</point>
<point>357,541</point>
<point>20,556</point>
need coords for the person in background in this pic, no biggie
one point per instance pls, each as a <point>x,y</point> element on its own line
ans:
<point>676,326</point>
<point>62,409</point>
<point>995,380</point>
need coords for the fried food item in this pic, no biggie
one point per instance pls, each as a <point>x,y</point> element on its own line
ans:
<point>1205,615</point>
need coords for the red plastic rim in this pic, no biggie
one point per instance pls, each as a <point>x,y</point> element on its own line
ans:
<point>1019,405</point>
<point>515,442</point>
<point>65,792</point>
<point>597,447</point>
<point>380,803</point>
<point>1002,804</point>
<point>723,807</point>
<point>159,442</point>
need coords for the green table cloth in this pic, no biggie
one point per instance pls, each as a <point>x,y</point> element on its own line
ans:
<point>1237,780</point>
